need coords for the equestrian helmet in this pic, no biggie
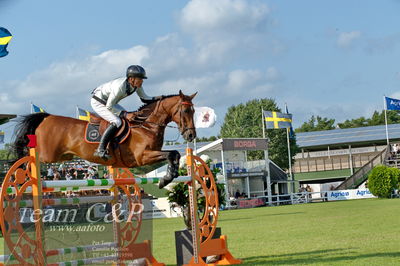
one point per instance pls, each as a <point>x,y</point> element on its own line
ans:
<point>136,71</point>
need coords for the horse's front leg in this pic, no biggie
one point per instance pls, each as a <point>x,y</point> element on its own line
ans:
<point>150,157</point>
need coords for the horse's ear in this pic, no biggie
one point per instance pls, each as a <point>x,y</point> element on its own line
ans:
<point>181,94</point>
<point>192,96</point>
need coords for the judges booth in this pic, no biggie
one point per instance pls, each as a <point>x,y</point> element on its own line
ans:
<point>247,183</point>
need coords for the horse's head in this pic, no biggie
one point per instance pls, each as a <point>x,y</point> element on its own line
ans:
<point>182,114</point>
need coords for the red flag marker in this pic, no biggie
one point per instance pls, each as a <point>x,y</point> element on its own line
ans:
<point>32,141</point>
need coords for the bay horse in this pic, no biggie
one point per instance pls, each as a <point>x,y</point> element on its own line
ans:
<point>61,138</point>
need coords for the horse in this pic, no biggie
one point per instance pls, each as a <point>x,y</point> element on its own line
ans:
<point>61,138</point>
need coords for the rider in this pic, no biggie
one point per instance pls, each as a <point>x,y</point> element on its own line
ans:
<point>105,100</point>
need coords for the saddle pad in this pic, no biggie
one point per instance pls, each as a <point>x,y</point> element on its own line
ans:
<point>92,133</point>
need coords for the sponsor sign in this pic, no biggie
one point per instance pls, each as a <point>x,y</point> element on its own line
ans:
<point>350,194</point>
<point>244,144</point>
<point>250,203</point>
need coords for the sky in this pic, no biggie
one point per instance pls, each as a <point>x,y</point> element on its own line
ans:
<point>333,58</point>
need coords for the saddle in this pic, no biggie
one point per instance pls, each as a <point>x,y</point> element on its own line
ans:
<point>97,125</point>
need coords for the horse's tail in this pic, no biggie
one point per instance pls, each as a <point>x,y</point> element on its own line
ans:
<point>26,126</point>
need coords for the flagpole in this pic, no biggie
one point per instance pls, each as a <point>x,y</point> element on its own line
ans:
<point>386,124</point>
<point>268,177</point>
<point>263,122</point>
<point>289,154</point>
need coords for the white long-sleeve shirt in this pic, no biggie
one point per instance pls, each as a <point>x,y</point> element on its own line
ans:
<point>114,91</point>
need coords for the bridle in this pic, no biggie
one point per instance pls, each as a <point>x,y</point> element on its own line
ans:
<point>181,115</point>
<point>180,109</point>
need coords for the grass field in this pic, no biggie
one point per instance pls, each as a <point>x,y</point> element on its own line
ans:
<point>358,232</point>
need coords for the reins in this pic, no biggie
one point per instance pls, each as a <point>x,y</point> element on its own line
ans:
<point>141,123</point>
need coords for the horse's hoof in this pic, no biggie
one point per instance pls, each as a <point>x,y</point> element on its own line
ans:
<point>164,181</point>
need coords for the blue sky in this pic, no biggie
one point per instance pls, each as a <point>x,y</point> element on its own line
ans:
<point>331,58</point>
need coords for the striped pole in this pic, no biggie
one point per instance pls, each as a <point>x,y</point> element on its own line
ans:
<point>96,184</point>
<point>66,201</point>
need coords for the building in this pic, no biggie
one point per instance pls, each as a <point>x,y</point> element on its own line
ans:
<point>329,157</point>
<point>249,178</point>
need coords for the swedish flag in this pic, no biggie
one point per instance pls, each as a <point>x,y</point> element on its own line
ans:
<point>277,120</point>
<point>1,136</point>
<point>83,114</point>
<point>5,38</point>
<point>36,109</point>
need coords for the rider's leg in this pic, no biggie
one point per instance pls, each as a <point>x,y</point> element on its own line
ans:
<point>115,123</point>
<point>105,139</point>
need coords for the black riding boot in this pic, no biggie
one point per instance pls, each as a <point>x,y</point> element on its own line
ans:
<point>105,139</point>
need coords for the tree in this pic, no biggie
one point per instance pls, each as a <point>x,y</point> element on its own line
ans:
<point>7,153</point>
<point>383,180</point>
<point>316,124</point>
<point>245,121</point>
<point>207,139</point>
<point>358,122</point>
<point>377,118</point>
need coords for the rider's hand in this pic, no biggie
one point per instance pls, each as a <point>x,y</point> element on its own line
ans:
<point>123,114</point>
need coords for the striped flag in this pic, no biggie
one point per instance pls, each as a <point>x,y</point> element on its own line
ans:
<point>36,109</point>
<point>83,114</point>
<point>276,120</point>
<point>5,38</point>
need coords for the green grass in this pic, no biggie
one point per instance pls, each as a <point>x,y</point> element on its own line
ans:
<point>358,232</point>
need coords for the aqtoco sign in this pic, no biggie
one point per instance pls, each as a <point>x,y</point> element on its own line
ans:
<point>244,144</point>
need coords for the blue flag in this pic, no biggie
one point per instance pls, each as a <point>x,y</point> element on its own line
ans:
<point>1,136</point>
<point>37,109</point>
<point>5,38</point>
<point>392,104</point>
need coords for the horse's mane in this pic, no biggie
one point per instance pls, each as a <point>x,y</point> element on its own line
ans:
<point>154,101</point>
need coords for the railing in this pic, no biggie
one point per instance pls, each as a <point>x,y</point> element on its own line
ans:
<point>360,175</point>
<point>293,198</point>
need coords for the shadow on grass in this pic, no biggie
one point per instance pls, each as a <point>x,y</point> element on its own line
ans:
<point>319,256</point>
<point>263,215</point>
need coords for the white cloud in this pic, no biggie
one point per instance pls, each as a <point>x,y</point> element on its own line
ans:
<point>346,39</point>
<point>201,16</point>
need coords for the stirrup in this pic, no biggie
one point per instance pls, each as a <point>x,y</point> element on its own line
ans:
<point>102,154</point>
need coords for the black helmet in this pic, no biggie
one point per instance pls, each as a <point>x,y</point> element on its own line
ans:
<point>136,71</point>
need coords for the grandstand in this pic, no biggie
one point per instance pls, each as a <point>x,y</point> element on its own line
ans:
<point>331,156</point>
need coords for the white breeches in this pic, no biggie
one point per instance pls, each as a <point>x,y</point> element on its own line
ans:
<point>106,114</point>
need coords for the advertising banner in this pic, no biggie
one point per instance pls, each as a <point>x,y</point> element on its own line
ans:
<point>350,194</point>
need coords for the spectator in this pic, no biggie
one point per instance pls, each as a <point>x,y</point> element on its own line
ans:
<point>395,148</point>
<point>237,194</point>
<point>309,190</point>
<point>50,173</point>
<point>68,176</point>
<point>61,169</point>
<point>90,172</point>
